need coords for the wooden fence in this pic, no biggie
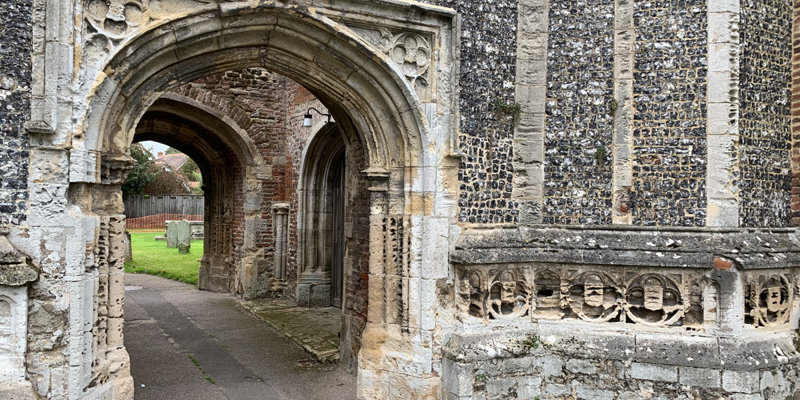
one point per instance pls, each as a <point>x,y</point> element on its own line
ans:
<point>142,205</point>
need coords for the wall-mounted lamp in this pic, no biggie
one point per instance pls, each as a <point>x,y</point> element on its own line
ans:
<point>307,117</point>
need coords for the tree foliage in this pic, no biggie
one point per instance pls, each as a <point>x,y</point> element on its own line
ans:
<point>144,172</point>
<point>168,182</point>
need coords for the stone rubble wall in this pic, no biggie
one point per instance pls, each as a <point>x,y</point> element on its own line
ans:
<point>669,122</point>
<point>579,123</point>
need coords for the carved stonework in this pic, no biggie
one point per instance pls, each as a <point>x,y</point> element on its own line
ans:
<point>473,298</point>
<point>768,301</point>
<point>604,295</point>
<point>108,23</point>
<point>509,295</point>
<point>595,296</point>
<point>411,52</point>
<point>654,299</point>
<point>114,169</point>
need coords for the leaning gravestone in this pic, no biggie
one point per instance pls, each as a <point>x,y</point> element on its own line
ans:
<point>183,232</point>
<point>172,234</point>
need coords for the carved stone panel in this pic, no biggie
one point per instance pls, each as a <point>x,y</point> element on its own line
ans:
<point>768,301</point>
<point>595,296</point>
<point>410,52</point>
<point>654,299</point>
<point>108,23</point>
<point>13,331</point>
<point>509,295</point>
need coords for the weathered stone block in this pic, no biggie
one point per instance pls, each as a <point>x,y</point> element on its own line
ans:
<point>654,372</point>
<point>499,387</point>
<point>585,392</point>
<point>171,234</point>
<point>741,381</point>
<point>184,248</point>
<point>701,377</point>
<point>578,366</point>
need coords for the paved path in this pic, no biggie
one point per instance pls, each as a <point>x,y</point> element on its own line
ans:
<point>189,344</point>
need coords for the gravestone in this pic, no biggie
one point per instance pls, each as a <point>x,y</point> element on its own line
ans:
<point>128,246</point>
<point>198,229</point>
<point>183,234</point>
<point>172,234</point>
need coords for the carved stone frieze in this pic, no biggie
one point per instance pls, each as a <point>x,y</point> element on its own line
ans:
<point>509,295</point>
<point>677,298</point>
<point>654,299</point>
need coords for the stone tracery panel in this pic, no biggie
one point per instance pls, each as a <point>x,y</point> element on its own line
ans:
<point>411,52</point>
<point>108,23</point>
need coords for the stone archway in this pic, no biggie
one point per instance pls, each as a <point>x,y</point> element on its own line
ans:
<point>225,156</point>
<point>367,94</point>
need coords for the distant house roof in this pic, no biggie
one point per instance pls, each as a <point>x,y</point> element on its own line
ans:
<point>172,161</point>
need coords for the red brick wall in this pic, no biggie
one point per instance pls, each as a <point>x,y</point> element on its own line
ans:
<point>158,221</point>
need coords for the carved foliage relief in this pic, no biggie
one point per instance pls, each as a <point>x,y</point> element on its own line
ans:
<point>680,299</point>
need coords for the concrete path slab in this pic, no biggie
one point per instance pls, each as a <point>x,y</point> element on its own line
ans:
<point>190,344</point>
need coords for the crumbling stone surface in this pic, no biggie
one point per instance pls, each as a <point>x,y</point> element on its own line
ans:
<point>550,362</point>
<point>15,92</point>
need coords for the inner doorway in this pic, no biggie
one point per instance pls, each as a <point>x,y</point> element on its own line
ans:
<point>337,264</point>
<point>324,216</point>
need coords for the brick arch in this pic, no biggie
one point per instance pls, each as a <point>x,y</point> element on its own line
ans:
<point>224,166</point>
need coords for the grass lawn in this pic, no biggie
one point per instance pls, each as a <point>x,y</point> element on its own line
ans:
<point>154,258</point>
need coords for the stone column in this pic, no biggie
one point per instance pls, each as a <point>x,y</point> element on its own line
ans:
<point>280,221</point>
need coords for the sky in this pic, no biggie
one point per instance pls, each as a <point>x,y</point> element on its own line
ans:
<point>155,147</point>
